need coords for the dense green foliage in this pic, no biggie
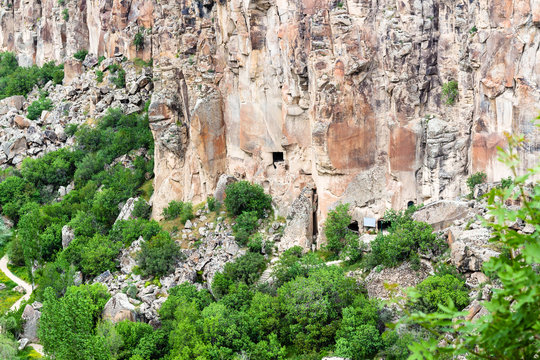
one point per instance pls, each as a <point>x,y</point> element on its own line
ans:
<point>510,330</point>
<point>28,197</point>
<point>17,80</point>
<point>81,54</point>
<point>159,255</point>
<point>213,204</point>
<point>450,92</point>
<point>476,179</point>
<point>341,239</point>
<point>141,209</point>
<point>243,196</point>
<point>38,106</point>
<point>405,239</point>
<point>67,324</point>
<point>245,225</point>
<point>99,76</point>
<point>119,78</point>
<point>178,209</point>
<point>138,40</point>
<point>437,290</point>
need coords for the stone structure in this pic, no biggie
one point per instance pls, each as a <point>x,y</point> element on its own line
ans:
<point>345,95</point>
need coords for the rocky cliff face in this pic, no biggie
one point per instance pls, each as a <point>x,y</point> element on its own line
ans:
<point>343,97</point>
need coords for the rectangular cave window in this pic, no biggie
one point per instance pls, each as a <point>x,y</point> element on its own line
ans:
<point>277,156</point>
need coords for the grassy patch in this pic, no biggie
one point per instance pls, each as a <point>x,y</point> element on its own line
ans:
<point>20,272</point>
<point>29,353</point>
<point>147,189</point>
<point>8,297</point>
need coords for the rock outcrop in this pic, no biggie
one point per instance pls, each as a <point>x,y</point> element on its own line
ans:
<point>118,308</point>
<point>345,95</point>
<point>31,316</point>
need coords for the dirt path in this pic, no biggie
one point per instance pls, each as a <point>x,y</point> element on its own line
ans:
<point>28,291</point>
<point>26,286</point>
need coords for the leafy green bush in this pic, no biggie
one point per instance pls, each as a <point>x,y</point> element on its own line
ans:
<point>65,14</point>
<point>246,269</point>
<point>66,327</point>
<point>255,243</point>
<point>38,106</point>
<point>16,80</point>
<point>242,197</point>
<point>476,179</point>
<point>450,92</point>
<point>183,210</point>
<point>141,209</point>
<point>437,290</point>
<point>246,224</point>
<point>99,76</point>
<point>405,238</point>
<point>338,235</point>
<point>159,255</point>
<point>71,129</point>
<point>81,54</point>
<point>100,255</point>
<point>213,204</point>
<point>313,306</point>
<point>292,264</point>
<point>120,75</point>
<point>507,182</point>
<point>127,231</point>
<point>138,40</point>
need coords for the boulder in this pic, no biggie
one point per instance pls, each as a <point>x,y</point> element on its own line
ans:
<point>13,102</point>
<point>222,183</point>
<point>299,229</point>
<point>128,255</point>
<point>404,276</point>
<point>67,236</point>
<point>103,277</point>
<point>22,343</point>
<point>72,69</point>
<point>21,122</point>
<point>31,322</point>
<point>442,214</point>
<point>470,249</point>
<point>118,308</point>
<point>90,61</point>
<point>127,209</point>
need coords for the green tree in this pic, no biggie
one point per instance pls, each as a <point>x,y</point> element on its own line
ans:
<point>313,306</point>
<point>476,179</point>
<point>159,255</point>
<point>242,196</point>
<point>336,229</point>
<point>99,255</point>
<point>440,290</point>
<point>66,327</point>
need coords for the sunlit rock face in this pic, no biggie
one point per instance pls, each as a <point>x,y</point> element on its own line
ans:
<point>344,97</point>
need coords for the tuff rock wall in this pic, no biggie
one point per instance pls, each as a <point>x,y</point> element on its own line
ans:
<point>347,92</point>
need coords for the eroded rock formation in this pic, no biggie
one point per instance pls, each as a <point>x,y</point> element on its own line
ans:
<point>343,96</point>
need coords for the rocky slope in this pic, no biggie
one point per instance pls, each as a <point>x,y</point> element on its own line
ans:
<point>83,100</point>
<point>340,97</point>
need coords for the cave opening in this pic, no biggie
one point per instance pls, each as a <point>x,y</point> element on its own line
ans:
<point>354,226</point>
<point>382,224</point>
<point>315,202</point>
<point>277,157</point>
<point>410,204</point>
